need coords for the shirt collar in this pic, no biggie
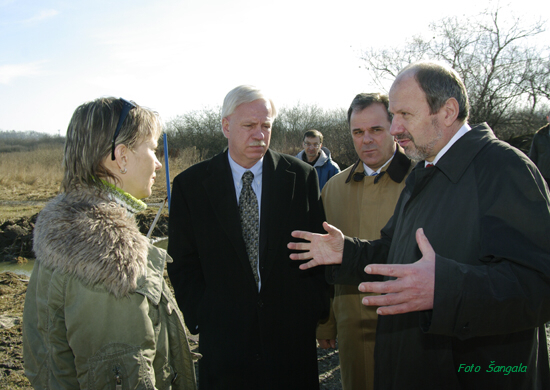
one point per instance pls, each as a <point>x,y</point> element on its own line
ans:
<point>457,160</point>
<point>463,130</point>
<point>239,171</point>
<point>369,172</point>
<point>397,169</point>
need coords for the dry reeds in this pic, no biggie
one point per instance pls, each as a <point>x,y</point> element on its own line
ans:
<point>36,175</point>
<point>178,162</point>
<point>32,174</point>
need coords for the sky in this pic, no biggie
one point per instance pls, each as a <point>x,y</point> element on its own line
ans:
<point>176,56</point>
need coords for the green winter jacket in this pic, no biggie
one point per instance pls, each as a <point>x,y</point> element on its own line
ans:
<point>98,312</point>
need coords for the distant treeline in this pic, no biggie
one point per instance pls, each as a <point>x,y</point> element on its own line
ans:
<point>24,141</point>
<point>200,132</point>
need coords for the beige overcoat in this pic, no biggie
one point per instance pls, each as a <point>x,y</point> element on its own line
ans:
<point>360,206</point>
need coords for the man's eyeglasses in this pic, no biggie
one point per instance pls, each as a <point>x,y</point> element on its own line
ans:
<point>126,107</point>
<point>315,146</point>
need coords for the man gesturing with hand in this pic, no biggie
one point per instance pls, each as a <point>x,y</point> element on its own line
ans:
<point>412,290</point>
<point>464,262</point>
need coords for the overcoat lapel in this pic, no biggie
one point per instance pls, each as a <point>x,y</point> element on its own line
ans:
<point>219,186</point>
<point>277,193</point>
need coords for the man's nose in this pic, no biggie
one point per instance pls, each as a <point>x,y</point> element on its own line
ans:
<point>367,138</point>
<point>396,127</point>
<point>258,133</point>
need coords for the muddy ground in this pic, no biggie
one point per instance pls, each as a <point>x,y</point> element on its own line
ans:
<point>16,246</point>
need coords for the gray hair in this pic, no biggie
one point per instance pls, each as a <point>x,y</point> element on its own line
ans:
<point>440,83</point>
<point>244,94</point>
<point>364,100</point>
<point>90,134</point>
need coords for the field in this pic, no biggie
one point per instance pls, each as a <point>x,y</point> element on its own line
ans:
<point>27,181</point>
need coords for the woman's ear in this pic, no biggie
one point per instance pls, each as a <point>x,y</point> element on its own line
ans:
<point>118,165</point>
<point>121,157</point>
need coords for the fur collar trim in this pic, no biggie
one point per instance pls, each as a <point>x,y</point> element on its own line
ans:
<point>85,235</point>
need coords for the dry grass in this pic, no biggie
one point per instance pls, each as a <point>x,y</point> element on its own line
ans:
<point>35,176</point>
<point>184,160</point>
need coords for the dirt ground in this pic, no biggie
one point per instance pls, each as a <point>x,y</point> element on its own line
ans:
<point>12,297</point>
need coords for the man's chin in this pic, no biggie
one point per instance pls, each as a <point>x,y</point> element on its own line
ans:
<point>257,153</point>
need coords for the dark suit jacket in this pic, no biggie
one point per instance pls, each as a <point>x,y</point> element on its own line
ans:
<point>249,339</point>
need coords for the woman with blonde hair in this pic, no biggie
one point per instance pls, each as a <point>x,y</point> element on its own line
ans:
<point>98,312</point>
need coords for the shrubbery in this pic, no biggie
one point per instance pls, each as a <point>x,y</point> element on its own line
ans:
<point>197,135</point>
<point>201,130</point>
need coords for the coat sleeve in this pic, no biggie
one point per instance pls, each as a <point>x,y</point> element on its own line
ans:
<point>507,289</point>
<point>359,253</point>
<point>316,217</point>
<point>533,151</point>
<point>185,271</point>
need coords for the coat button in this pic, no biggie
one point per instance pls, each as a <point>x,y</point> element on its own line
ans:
<point>260,303</point>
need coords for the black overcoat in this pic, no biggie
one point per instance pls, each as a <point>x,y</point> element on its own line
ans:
<point>248,339</point>
<point>485,209</point>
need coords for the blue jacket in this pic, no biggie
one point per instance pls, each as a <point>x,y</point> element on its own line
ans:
<point>325,167</point>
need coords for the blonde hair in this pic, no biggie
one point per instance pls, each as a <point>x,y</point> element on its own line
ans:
<point>89,138</point>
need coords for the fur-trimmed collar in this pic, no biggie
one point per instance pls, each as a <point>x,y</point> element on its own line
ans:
<point>84,234</point>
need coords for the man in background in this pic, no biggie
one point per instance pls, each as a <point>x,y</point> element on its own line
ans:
<point>360,200</point>
<point>318,156</point>
<point>230,219</point>
<point>540,150</point>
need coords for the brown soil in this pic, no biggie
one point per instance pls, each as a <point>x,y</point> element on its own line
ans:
<point>12,297</point>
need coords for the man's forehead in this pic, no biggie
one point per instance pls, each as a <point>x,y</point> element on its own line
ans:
<point>404,88</point>
<point>258,109</point>
<point>375,112</point>
<point>312,139</point>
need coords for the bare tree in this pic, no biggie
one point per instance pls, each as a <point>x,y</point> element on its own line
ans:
<point>200,129</point>
<point>293,122</point>
<point>504,76</point>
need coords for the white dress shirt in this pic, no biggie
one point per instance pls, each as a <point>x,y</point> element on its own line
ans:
<point>238,172</point>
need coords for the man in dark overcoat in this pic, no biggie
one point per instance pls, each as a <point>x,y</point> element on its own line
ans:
<point>465,259</point>
<point>255,311</point>
<point>540,150</point>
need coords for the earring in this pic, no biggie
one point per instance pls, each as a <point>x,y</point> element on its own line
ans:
<point>123,171</point>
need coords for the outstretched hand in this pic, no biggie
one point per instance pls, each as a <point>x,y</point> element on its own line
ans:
<point>326,343</point>
<point>413,290</point>
<point>322,249</point>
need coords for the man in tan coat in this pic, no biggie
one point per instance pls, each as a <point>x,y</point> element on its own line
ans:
<point>360,200</point>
